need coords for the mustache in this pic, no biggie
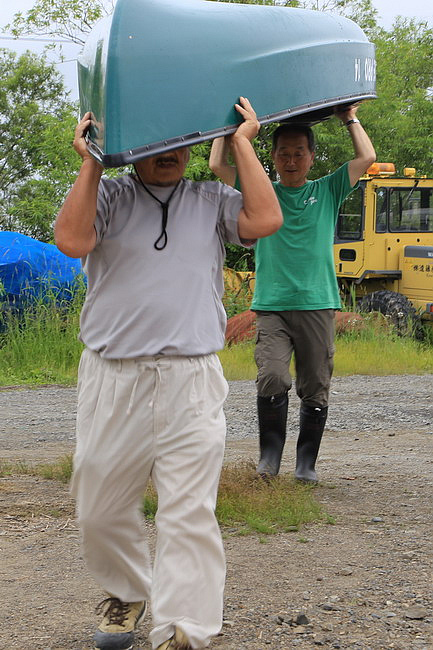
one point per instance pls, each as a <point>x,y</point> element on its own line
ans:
<point>166,158</point>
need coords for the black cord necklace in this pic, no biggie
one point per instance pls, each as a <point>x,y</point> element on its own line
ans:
<point>164,205</point>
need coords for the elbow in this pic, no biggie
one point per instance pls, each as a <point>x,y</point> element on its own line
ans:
<point>370,159</point>
<point>72,247</point>
<point>69,250</point>
<point>365,162</point>
<point>215,168</point>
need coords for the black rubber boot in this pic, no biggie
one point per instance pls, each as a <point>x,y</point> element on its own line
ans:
<point>311,424</point>
<point>272,414</point>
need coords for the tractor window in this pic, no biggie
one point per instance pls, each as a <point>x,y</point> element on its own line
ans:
<point>349,223</point>
<point>411,210</point>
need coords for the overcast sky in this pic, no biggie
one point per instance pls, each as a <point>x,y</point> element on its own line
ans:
<point>388,10</point>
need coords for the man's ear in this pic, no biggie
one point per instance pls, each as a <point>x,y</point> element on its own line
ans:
<point>188,154</point>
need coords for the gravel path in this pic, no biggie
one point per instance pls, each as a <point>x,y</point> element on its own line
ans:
<point>36,419</point>
<point>364,583</point>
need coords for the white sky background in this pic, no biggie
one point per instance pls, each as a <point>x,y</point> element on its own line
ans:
<point>388,10</point>
<point>8,8</point>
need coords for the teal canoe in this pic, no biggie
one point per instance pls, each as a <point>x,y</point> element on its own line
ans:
<point>160,74</point>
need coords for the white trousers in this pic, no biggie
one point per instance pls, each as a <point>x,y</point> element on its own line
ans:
<point>158,418</point>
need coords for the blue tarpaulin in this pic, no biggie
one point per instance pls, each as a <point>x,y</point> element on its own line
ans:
<point>30,269</point>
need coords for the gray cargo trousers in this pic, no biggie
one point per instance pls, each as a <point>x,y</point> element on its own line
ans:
<point>307,334</point>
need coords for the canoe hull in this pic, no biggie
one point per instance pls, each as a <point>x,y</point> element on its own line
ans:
<point>160,74</point>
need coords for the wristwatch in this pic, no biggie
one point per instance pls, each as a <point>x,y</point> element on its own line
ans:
<point>354,121</point>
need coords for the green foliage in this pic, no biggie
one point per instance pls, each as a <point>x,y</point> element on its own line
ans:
<point>246,503</point>
<point>198,168</point>
<point>400,121</point>
<point>238,361</point>
<point>150,503</point>
<point>42,347</point>
<point>8,468</point>
<point>68,19</point>
<point>59,471</point>
<point>427,337</point>
<point>361,11</point>
<point>239,258</point>
<point>37,162</point>
<point>250,504</point>
<point>377,349</point>
<point>236,301</point>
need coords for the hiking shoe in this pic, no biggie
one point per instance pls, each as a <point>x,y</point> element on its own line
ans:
<point>177,642</point>
<point>116,631</point>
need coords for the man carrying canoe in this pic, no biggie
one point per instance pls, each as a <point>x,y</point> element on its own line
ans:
<point>150,385</point>
<point>296,291</point>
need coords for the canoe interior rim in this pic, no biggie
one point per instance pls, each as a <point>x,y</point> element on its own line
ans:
<point>309,114</point>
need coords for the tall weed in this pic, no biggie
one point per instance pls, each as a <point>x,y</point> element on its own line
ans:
<point>39,344</point>
<point>378,350</point>
<point>236,300</point>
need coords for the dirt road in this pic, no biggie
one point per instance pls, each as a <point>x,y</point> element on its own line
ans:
<point>364,583</point>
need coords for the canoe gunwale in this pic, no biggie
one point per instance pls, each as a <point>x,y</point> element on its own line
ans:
<point>311,113</point>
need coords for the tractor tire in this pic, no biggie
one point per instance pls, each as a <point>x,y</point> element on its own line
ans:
<point>398,310</point>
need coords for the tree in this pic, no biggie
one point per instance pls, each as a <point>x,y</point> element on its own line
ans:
<point>37,162</point>
<point>71,20</point>
<point>361,11</point>
<point>400,121</point>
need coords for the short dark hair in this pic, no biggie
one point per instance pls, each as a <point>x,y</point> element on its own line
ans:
<point>301,129</point>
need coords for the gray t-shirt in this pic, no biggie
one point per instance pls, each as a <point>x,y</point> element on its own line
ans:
<point>143,302</point>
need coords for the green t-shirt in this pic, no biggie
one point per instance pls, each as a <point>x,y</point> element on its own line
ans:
<point>295,265</point>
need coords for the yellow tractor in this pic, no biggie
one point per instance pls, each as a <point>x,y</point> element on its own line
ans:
<point>383,246</point>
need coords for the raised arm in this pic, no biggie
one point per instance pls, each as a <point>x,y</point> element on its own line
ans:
<point>74,230</point>
<point>219,161</point>
<point>365,154</point>
<point>261,213</point>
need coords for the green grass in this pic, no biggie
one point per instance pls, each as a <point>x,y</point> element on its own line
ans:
<point>382,354</point>
<point>61,470</point>
<point>43,348</point>
<point>249,504</point>
<point>246,503</point>
<point>374,350</point>
<point>238,361</point>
